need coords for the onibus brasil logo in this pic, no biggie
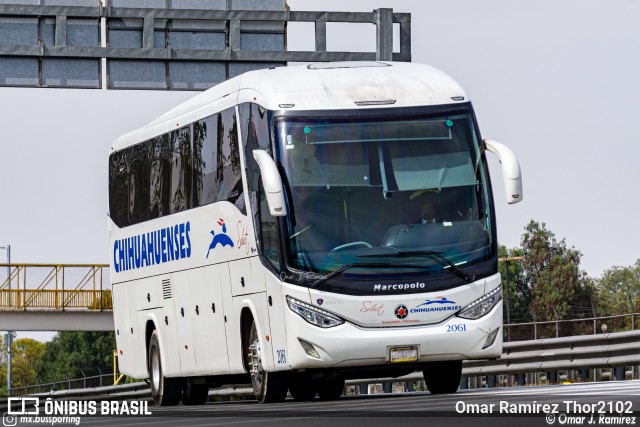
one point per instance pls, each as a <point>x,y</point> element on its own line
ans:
<point>221,239</point>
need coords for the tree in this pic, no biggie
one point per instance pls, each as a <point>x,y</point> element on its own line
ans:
<point>3,367</point>
<point>618,290</point>
<point>519,292</point>
<point>552,271</point>
<point>72,354</point>
<point>25,354</point>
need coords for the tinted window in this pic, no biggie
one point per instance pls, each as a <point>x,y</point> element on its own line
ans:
<point>118,188</point>
<point>255,134</point>
<point>180,146</point>
<point>164,175</point>
<point>138,160</point>
<point>217,173</point>
<point>159,176</point>
<point>229,173</point>
<point>255,131</point>
<point>268,232</point>
<point>204,165</point>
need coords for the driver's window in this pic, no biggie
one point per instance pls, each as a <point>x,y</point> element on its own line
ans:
<point>268,231</point>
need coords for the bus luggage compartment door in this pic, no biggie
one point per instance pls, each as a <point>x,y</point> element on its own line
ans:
<point>243,281</point>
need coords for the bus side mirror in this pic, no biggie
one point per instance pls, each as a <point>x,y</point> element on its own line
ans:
<point>510,170</point>
<point>272,183</point>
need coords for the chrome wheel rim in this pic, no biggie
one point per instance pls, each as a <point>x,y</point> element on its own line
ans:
<point>155,369</point>
<point>255,361</point>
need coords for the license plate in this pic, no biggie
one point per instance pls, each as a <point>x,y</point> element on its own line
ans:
<point>404,354</point>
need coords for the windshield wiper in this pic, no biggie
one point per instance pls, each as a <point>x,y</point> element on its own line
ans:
<point>348,266</point>
<point>434,255</point>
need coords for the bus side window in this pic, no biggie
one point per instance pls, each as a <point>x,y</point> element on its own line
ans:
<point>268,231</point>
<point>255,132</point>
<point>205,149</point>
<point>138,182</point>
<point>229,163</point>
<point>119,188</point>
<point>159,177</point>
<point>180,146</point>
<point>216,160</point>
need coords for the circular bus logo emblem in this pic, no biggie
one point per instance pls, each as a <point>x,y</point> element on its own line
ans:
<point>401,311</point>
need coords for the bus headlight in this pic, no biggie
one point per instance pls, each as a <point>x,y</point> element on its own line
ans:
<point>313,315</point>
<point>482,306</point>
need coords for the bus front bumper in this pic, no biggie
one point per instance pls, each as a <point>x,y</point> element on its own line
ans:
<point>349,345</point>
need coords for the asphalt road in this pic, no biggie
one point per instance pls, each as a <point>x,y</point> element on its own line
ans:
<point>588,404</point>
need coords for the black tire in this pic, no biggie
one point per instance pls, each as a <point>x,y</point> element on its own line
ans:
<point>331,389</point>
<point>443,377</point>
<point>269,387</point>
<point>195,394</point>
<point>301,387</point>
<point>165,391</point>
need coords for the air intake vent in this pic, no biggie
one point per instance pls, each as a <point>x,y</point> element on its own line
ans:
<point>384,102</point>
<point>166,288</point>
<point>346,64</point>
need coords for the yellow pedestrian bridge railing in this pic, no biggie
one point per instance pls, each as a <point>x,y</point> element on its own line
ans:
<point>55,287</point>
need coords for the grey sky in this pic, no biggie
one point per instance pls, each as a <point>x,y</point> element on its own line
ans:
<point>557,81</point>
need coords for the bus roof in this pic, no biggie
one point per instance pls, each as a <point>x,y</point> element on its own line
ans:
<point>319,86</point>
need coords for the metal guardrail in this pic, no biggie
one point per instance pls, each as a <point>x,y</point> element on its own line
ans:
<point>87,382</point>
<point>56,287</point>
<point>577,352</point>
<point>545,355</point>
<point>572,327</point>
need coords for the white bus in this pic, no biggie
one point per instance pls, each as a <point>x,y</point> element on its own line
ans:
<point>298,226</point>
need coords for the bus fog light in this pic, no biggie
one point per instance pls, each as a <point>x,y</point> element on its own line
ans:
<point>309,348</point>
<point>491,338</point>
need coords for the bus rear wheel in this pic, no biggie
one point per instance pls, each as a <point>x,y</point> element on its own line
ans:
<point>331,389</point>
<point>443,377</point>
<point>195,394</point>
<point>165,391</point>
<point>269,387</point>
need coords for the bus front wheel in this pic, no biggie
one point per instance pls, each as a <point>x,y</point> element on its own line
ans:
<point>165,391</point>
<point>269,387</point>
<point>443,377</point>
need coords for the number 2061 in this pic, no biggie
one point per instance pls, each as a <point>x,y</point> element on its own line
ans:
<point>457,328</point>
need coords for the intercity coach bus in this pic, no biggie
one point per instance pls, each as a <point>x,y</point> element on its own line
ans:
<point>295,227</point>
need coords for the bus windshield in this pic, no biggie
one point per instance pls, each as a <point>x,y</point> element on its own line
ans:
<point>384,195</point>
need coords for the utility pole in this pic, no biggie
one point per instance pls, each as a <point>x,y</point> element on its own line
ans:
<point>508,299</point>
<point>9,333</point>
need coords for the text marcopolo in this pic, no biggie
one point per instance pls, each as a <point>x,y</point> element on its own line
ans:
<point>399,286</point>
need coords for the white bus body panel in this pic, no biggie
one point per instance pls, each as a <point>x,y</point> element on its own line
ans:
<point>198,342</point>
<point>208,323</point>
<point>437,336</point>
<point>234,341</point>
<point>182,290</point>
<point>124,341</point>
